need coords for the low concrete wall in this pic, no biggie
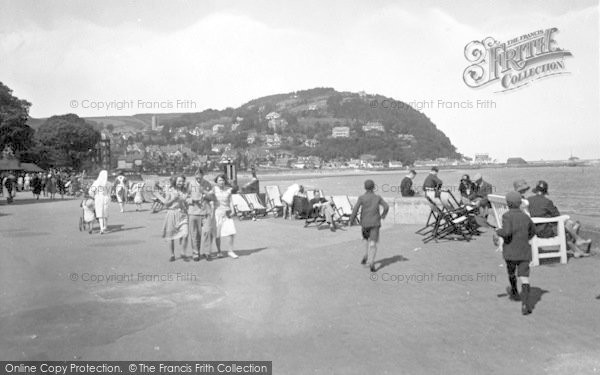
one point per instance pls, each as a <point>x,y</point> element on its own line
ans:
<point>405,210</point>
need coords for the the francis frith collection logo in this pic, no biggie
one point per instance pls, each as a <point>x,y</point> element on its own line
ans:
<point>514,63</point>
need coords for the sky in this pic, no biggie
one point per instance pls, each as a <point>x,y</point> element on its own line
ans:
<point>76,56</point>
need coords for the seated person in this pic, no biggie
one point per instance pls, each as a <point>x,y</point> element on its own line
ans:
<point>433,182</point>
<point>541,206</point>
<point>406,185</point>
<point>324,208</point>
<point>466,187</point>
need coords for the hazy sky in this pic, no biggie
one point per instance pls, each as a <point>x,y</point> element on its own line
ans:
<point>223,54</point>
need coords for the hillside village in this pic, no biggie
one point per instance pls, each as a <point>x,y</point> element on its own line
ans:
<point>318,128</point>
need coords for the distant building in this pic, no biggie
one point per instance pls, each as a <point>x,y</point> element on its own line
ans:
<point>482,159</point>
<point>373,126</point>
<point>515,161</point>
<point>312,107</point>
<point>272,116</point>
<point>220,147</point>
<point>130,161</point>
<point>340,132</point>
<point>234,126</point>
<point>311,143</point>
<point>154,122</point>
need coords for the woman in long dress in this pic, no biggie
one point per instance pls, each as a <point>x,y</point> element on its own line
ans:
<point>176,219</point>
<point>100,191</point>
<point>225,227</point>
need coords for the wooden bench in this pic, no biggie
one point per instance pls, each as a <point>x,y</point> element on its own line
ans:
<point>499,207</point>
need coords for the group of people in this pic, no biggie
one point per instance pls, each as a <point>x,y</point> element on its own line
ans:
<point>40,184</point>
<point>195,210</point>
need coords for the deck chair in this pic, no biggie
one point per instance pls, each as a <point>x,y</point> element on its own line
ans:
<point>446,224</point>
<point>343,208</point>
<point>255,204</point>
<point>241,206</point>
<point>453,207</point>
<point>314,217</point>
<point>557,243</point>
<point>433,218</point>
<point>273,200</point>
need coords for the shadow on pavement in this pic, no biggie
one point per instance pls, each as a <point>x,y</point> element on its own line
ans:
<point>389,261</point>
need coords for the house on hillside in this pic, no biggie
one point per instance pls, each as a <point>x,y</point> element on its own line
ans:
<point>340,132</point>
<point>273,141</point>
<point>251,138</point>
<point>311,143</point>
<point>482,159</point>
<point>272,116</point>
<point>373,126</point>
<point>220,147</point>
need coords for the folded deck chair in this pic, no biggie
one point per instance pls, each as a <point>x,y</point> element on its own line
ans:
<point>456,210</point>
<point>344,209</point>
<point>273,200</point>
<point>241,207</point>
<point>559,242</point>
<point>447,225</point>
<point>255,204</point>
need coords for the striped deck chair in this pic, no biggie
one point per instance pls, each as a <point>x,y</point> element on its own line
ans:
<point>343,208</point>
<point>242,209</point>
<point>255,204</point>
<point>273,200</point>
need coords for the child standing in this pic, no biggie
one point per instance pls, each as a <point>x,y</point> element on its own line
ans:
<point>139,198</point>
<point>89,215</point>
<point>517,229</point>
<point>370,220</point>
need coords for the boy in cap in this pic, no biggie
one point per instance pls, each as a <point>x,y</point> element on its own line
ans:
<point>370,220</point>
<point>517,229</point>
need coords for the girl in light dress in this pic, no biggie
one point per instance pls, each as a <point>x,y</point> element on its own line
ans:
<point>225,228</point>
<point>176,219</point>
<point>121,190</point>
<point>138,198</point>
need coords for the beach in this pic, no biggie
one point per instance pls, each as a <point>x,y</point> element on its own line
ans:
<point>296,296</point>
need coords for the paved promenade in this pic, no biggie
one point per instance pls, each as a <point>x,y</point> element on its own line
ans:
<point>296,296</point>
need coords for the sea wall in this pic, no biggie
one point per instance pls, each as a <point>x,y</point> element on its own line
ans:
<point>405,210</point>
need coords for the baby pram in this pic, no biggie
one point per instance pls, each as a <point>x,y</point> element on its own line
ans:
<point>88,215</point>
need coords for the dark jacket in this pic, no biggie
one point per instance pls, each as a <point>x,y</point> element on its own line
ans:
<point>540,206</point>
<point>369,216</point>
<point>432,182</point>
<point>517,229</point>
<point>406,187</point>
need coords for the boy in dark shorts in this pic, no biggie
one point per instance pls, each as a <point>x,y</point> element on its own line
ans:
<point>517,229</point>
<point>370,220</point>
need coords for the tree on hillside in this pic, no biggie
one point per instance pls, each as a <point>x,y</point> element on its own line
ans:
<point>14,113</point>
<point>71,139</point>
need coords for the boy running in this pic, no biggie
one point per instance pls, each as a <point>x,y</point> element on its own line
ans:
<point>370,220</point>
